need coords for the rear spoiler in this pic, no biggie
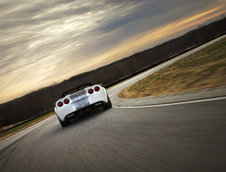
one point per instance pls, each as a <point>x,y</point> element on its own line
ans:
<point>75,89</point>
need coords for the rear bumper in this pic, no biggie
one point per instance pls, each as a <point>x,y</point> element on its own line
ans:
<point>85,109</point>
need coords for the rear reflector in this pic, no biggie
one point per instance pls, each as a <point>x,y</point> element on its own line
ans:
<point>90,91</point>
<point>60,104</point>
<point>66,101</point>
<point>97,88</point>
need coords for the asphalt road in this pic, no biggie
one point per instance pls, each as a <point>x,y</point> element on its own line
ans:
<point>185,137</point>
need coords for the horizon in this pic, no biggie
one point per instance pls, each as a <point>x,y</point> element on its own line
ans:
<point>111,38</point>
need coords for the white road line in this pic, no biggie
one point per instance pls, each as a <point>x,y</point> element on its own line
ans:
<point>171,104</point>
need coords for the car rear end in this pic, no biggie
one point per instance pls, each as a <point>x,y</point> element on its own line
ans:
<point>72,103</point>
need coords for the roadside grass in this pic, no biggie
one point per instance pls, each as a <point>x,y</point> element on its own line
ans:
<point>14,130</point>
<point>203,69</point>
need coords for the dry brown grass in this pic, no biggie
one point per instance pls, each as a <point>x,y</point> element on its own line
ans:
<point>204,69</point>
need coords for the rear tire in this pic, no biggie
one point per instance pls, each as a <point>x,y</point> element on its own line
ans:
<point>107,105</point>
<point>64,123</point>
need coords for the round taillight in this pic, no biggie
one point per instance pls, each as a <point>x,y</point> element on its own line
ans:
<point>90,91</point>
<point>66,101</point>
<point>97,88</point>
<point>60,104</point>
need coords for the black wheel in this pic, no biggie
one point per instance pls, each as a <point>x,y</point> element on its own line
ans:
<point>64,123</point>
<point>107,105</point>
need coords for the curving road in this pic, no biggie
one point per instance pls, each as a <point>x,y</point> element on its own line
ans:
<point>183,132</point>
<point>184,137</point>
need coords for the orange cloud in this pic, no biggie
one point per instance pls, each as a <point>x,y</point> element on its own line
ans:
<point>128,47</point>
<point>137,43</point>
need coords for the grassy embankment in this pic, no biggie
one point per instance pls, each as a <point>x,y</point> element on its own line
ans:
<point>23,126</point>
<point>203,69</point>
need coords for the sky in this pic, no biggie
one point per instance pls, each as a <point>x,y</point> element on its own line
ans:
<point>45,42</point>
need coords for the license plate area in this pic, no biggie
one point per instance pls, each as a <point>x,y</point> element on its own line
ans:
<point>81,103</point>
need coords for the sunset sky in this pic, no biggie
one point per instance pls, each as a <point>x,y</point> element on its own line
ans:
<point>45,42</point>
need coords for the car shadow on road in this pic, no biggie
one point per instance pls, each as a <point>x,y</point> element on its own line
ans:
<point>84,116</point>
<point>75,122</point>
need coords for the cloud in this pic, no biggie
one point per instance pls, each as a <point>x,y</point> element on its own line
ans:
<point>45,41</point>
